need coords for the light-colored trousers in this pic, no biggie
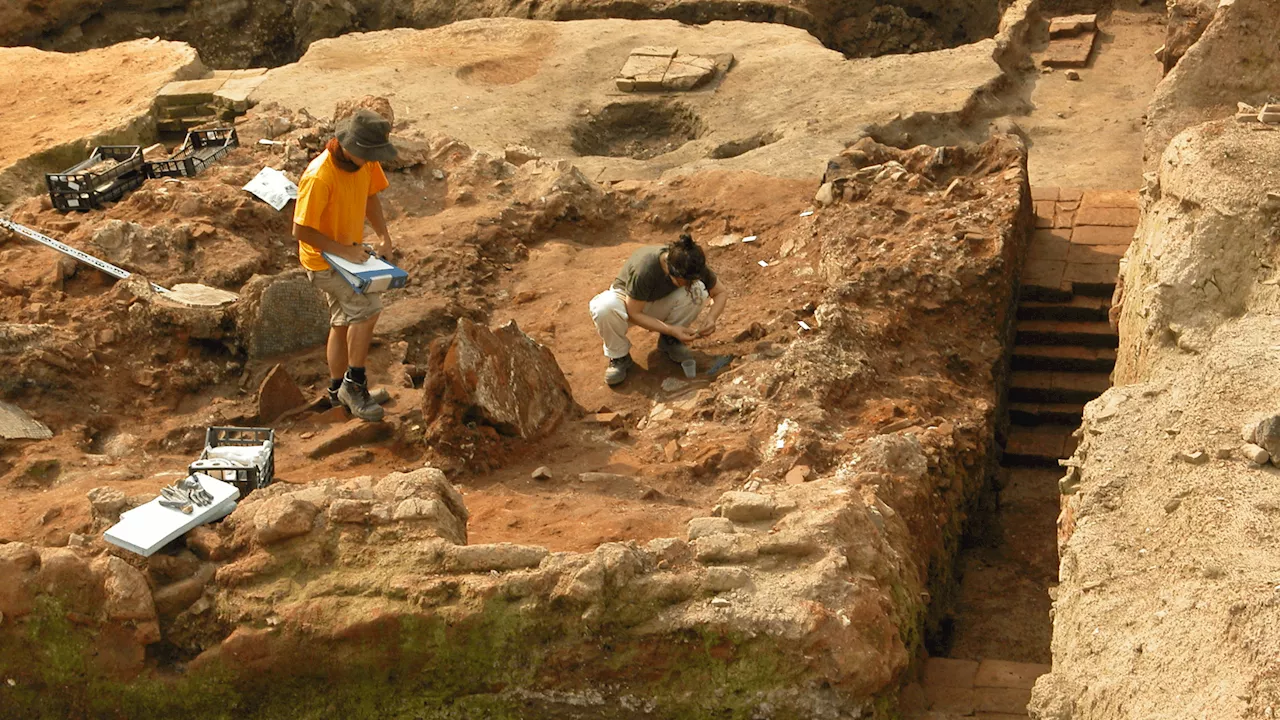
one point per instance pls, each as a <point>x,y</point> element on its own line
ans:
<point>609,311</point>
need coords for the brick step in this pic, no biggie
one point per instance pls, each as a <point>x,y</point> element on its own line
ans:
<point>1040,446</point>
<point>1072,358</point>
<point>1066,332</point>
<point>1077,308</point>
<point>1033,386</point>
<point>1046,413</point>
<point>1094,289</point>
<point>992,689</point>
<point>1044,293</point>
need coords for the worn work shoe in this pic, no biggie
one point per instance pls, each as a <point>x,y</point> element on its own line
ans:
<point>617,370</point>
<point>356,399</point>
<point>677,351</point>
<point>378,395</point>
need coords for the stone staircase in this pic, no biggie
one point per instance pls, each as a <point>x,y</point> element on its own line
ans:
<point>988,689</point>
<point>217,98</point>
<point>1065,348</point>
<point>1063,355</point>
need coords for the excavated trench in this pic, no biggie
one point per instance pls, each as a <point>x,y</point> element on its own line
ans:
<point>233,34</point>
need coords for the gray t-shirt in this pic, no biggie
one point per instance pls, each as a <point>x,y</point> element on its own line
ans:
<point>642,277</point>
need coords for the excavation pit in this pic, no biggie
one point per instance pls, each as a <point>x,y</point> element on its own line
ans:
<point>637,130</point>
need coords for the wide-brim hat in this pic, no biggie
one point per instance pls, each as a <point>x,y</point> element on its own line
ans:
<point>367,135</point>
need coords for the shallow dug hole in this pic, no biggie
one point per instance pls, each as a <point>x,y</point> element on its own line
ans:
<point>639,130</point>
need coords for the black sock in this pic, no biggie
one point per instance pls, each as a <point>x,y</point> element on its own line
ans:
<point>334,384</point>
<point>356,375</point>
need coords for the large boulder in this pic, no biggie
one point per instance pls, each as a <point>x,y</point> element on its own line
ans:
<point>502,379</point>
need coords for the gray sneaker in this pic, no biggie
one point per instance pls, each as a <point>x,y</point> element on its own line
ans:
<point>378,395</point>
<point>356,398</point>
<point>617,370</point>
<point>677,351</point>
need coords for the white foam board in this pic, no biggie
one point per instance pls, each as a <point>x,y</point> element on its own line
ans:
<point>149,527</point>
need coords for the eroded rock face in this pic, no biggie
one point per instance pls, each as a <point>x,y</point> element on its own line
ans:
<point>501,380</point>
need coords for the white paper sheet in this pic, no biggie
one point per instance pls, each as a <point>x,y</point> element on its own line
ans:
<point>273,187</point>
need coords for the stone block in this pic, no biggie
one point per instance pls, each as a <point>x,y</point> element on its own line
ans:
<point>948,672</point>
<point>1109,199</point>
<point>494,556</point>
<point>281,518</point>
<point>704,526</point>
<point>1045,193</point>
<point>1006,674</point>
<point>1101,235</point>
<point>1069,51</point>
<point>688,72</point>
<point>956,701</point>
<point>1255,454</point>
<point>1072,25</point>
<point>190,92</point>
<point>1092,274</point>
<point>1096,254</point>
<point>722,579</point>
<point>1002,700</point>
<point>1044,213</point>
<point>717,549</point>
<point>1048,245</point>
<point>1045,273</point>
<point>745,507</point>
<point>235,94</point>
<point>1111,216</point>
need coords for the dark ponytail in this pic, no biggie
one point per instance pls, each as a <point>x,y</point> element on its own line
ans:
<point>685,260</point>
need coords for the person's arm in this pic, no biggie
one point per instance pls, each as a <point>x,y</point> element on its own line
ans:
<point>321,242</point>
<point>719,298</point>
<point>636,316</point>
<point>373,212</point>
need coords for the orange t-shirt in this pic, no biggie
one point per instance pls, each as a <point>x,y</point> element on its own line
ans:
<point>333,202</point>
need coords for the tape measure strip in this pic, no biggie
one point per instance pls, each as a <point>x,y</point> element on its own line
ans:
<point>69,251</point>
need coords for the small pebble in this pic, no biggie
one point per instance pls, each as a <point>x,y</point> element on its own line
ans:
<point>1072,75</point>
<point>542,473</point>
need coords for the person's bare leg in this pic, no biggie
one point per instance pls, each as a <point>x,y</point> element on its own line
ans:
<point>359,338</point>
<point>336,352</point>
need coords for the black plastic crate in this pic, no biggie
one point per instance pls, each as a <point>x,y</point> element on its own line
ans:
<point>245,477</point>
<point>202,149</point>
<point>82,188</point>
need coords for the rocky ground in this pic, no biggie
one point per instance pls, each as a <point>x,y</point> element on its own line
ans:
<point>784,533</point>
<point>894,446</point>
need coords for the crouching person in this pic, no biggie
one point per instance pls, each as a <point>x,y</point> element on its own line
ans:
<point>662,289</point>
<point>336,196</point>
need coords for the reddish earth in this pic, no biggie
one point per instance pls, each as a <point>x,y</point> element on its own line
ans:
<point>128,404</point>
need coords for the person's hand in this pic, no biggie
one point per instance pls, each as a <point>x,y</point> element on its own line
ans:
<point>706,329</point>
<point>386,249</point>
<point>354,253</point>
<point>683,334</point>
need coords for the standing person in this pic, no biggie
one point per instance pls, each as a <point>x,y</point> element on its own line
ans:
<point>337,194</point>
<point>660,288</point>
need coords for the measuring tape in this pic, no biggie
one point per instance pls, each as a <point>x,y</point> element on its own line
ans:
<point>85,258</point>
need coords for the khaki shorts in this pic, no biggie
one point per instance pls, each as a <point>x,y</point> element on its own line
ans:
<point>346,306</point>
